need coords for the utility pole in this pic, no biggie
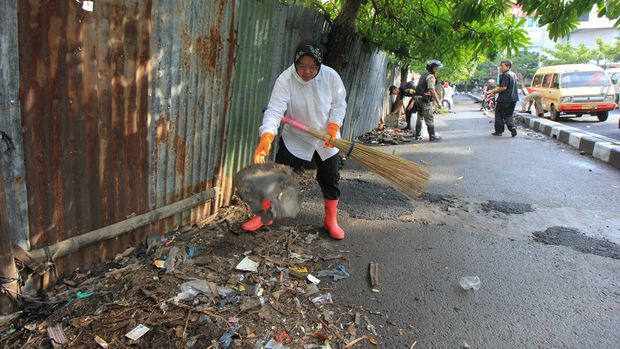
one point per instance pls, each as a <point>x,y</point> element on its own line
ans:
<point>9,286</point>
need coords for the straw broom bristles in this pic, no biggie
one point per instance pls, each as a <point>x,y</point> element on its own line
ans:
<point>405,175</point>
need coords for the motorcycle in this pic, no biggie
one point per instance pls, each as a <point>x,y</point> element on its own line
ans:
<point>488,103</point>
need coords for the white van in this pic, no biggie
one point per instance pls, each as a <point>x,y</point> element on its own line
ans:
<point>614,75</point>
<point>575,89</point>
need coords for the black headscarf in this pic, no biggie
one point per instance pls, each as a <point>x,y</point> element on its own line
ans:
<point>311,48</point>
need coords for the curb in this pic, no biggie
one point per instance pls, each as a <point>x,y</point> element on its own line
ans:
<point>600,147</point>
<point>474,97</point>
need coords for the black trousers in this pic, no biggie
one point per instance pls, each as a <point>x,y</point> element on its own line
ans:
<point>327,172</point>
<point>503,115</point>
<point>408,117</point>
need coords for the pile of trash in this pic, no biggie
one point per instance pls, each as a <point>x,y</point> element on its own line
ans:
<point>387,136</point>
<point>216,287</point>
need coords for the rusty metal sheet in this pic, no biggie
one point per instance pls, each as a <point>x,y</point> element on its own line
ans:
<point>140,104</point>
<point>12,159</point>
<point>193,46</point>
<point>83,99</point>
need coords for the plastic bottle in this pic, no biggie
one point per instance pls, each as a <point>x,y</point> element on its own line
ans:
<point>470,282</point>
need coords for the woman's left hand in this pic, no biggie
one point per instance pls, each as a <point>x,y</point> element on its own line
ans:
<point>332,132</point>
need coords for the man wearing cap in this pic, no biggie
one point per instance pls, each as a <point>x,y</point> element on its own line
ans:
<point>313,94</point>
<point>425,95</point>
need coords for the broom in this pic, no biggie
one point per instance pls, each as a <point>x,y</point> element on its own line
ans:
<point>403,174</point>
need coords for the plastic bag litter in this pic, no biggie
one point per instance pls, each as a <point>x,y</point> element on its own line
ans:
<point>273,344</point>
<point>323,299</point>
<point>337,274</point>
<point>226,338</point>
<point>191,289</point>
<point>470,282</point>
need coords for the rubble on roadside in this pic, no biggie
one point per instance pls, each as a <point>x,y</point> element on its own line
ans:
<point>212,288</point>
<point>387,136</point>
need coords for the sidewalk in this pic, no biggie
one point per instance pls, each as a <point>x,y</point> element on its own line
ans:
<point>600,147</point>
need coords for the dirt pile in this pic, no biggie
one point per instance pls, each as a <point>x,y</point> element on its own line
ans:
<point>210,288</point>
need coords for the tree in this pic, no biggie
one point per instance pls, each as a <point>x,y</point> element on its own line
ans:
<point>484,70</point>
<point>567,54</point>
<point>561,17</point>
<point>457,32</point>
<point>454,32</point>
<point>525,64</point>
<point>605,53</point>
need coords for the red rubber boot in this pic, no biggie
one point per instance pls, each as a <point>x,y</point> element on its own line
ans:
<point>256,223</point>
<point>331,220</point>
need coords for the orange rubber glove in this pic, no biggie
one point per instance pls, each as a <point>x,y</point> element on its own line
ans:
<point>262,149</point>
<point>332,132</point>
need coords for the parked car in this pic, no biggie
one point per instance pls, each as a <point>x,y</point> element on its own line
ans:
<point>614,75</point>
<point>575,89</point>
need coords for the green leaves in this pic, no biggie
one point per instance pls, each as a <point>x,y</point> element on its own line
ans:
<point>561,17</point>
<point>455,32</point>
<point>462,32</point>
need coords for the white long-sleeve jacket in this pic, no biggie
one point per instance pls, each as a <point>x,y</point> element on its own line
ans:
<point>315,103</point>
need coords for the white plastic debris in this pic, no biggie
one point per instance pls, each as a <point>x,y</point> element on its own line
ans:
<point>88,6</point>
<point>247,265</point>
<point>470,283</point>
<point>323,299</point>
<point>313,279</point>
<point>137,332</point>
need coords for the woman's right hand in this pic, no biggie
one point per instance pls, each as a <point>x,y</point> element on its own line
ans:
<point>262,149</point>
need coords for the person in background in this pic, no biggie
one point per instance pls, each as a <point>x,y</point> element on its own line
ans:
<point>440,94</point>
<point>425,96</point>
<point>507,98</point>
<point>490,86</point>
<point>532,98</point>
<point>448,95</point>
<point>406,90</point>
<point>313,94</point>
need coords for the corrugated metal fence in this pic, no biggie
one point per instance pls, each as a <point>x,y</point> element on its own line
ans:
<point>266,47</point>
<point>193,47</point>
<point>140,104</point>
<point>12,156</point>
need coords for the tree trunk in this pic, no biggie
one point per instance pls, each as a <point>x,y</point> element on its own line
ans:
<point>403,76</point>
<point>342,35</point>
<point>10,287</point>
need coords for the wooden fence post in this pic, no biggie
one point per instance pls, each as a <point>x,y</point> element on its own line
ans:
<point>9,286</point>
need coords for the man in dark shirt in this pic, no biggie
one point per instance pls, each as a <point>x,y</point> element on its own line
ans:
<point>407,90</point>
<point>507,98</point>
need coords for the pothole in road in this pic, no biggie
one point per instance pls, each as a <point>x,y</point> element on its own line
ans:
<point>507,207</point>
<point>570,237</point>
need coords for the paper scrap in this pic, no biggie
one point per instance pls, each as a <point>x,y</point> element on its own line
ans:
<point>313,279</point>
<point>247,265</point>
<point>137,332</point>
<point>57,336</point>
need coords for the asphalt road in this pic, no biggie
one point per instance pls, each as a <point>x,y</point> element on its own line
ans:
<point>608,128</point>
<point>486,198</point>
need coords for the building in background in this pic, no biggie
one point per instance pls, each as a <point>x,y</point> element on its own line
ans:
<point>590,27</point>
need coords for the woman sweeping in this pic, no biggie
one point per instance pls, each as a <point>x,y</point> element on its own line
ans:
<point>313,94</point>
